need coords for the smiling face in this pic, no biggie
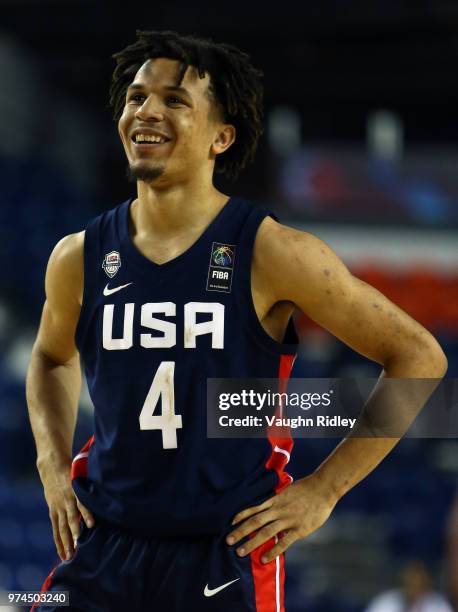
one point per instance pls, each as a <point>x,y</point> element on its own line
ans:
<point>171,133</point>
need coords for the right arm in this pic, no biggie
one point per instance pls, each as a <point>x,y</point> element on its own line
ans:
<point>53,387</point>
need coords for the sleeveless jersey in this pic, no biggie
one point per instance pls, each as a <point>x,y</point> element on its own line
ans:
<point>149,336</point>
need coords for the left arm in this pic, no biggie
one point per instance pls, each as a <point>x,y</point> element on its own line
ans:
<point>299,267</point>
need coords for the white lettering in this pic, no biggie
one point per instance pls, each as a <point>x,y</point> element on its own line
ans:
<point>167,327</point>
<point>220,274</point>
<point>215,326</point>
<point>118,344</point>
<point>167,338</point>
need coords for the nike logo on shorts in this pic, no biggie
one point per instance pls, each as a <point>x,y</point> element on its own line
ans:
<point>210,592</point>
<point>107,291</point>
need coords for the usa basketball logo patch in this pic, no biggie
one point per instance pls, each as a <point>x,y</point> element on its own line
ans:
<point>221,267</point>
<point>112,263</point>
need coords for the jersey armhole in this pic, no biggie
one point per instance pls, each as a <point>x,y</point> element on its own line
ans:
<point>244,294</point>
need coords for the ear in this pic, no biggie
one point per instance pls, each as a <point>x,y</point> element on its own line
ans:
<point>224,137</point>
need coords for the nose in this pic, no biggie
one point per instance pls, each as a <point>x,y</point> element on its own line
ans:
<point>150,110</point>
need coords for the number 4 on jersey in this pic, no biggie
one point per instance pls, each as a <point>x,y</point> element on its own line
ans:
<point>168,422</point>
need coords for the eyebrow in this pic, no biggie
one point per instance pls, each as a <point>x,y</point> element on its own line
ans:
<point>176,88</point>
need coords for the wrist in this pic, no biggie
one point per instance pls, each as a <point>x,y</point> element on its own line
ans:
<point>50,461</point>
<point>327,486</point>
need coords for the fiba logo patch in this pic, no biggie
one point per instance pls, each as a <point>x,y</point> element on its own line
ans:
<point>112,263</point>
<point>221,267</point>
<point>223,256</point>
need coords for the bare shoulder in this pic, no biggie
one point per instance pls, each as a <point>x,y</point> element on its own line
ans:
<point>65,271</point>
<point>282,241</point>
<point>300,267</point>
<point>291,259</point>
<point>61,310</point>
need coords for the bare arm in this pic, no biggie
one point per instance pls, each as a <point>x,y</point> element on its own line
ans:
<point>53,387</point>
<point>319,283</point>
<point>300,268</point>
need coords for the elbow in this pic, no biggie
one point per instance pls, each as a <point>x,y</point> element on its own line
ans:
<point>422,359</point>
<point>441,364</point>
<point>435,361</point>
<point>437,358</point>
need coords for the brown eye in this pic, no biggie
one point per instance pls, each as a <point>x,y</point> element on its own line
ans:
<point>136,98</point>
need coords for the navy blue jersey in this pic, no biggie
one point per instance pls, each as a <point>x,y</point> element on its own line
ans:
<point>149,336</point>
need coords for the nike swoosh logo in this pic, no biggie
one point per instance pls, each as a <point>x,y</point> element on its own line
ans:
<point>210,592</point>
<point>107,291</point>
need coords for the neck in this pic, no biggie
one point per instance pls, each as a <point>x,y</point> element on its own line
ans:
<point>171,211</point>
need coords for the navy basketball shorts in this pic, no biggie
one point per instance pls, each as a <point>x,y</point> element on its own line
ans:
<point>113,570</point>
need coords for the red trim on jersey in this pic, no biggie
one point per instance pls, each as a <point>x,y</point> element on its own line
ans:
<point>269,578</point>
<point>79,463</point>
<point>46,584</point>
<point>280,437</point>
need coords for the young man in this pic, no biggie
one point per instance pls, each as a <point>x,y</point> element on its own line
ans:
<point>172,520</point>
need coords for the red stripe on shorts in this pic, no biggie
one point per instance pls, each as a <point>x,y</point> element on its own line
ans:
<point>269,578</point>
<point>46,584</point>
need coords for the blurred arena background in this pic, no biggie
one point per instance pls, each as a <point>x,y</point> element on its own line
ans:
<point>360,148</point>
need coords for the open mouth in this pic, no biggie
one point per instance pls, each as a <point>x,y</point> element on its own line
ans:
<point>148,139</point>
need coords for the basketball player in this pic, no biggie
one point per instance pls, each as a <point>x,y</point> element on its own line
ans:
<point>150,514</point>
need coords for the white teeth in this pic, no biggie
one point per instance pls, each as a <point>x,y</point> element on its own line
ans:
<point>148,138</point>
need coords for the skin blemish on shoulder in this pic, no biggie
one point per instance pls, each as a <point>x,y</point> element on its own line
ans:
<point>328,291</point>
<point>375,305</point>
<point>327,272</point>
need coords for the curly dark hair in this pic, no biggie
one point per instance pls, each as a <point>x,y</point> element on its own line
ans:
<point>235,85</point>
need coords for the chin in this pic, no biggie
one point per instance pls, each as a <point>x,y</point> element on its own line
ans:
<point>144,173</point>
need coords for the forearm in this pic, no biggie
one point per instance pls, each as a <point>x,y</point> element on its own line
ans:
<point>391,407</point>
<point>52,392</point>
